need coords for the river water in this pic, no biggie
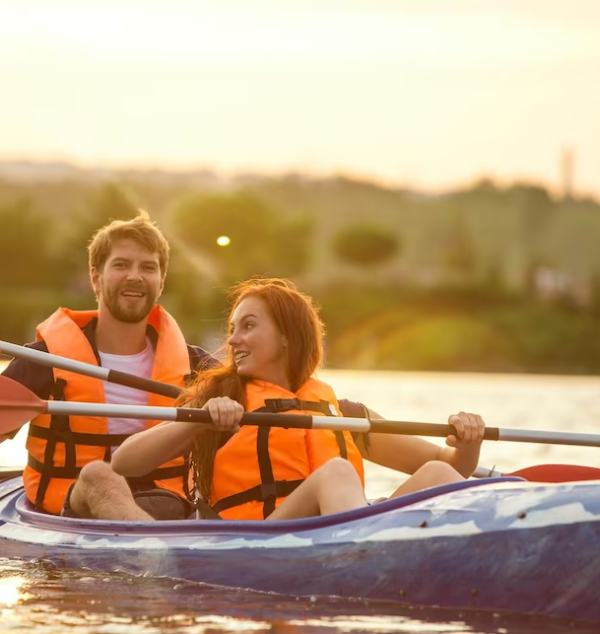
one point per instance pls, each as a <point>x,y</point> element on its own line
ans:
<point>38,599</point>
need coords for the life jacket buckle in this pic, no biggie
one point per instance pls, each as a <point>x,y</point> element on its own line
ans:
<point>278,405</point>
<point>268,491</point>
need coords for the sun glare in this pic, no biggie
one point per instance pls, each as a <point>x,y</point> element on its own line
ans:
<point>10,590</point>
<point>12,452</point>
<point>223,241</point>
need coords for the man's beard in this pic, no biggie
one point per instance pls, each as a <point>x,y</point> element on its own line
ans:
<point>116,305</point>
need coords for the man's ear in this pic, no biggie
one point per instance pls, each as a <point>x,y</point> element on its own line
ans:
<point>162,286</point>
<point>95,279</point>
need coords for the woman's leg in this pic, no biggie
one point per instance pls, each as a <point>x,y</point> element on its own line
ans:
<point>332,488</point>
<point>431,474</point>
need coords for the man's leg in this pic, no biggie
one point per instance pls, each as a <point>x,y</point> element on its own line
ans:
<point>100,493</point>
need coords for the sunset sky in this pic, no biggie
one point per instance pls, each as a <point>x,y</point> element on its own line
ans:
<point>429,93</point>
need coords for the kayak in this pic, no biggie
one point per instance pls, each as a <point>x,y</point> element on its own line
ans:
<point>499,544</point>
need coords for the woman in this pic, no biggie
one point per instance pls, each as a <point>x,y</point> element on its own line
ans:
<point>275,345</point>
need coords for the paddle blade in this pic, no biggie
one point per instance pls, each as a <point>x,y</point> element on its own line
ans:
<point>18,405</point>
<point>557,473</point>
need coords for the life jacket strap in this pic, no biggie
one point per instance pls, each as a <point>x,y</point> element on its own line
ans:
<point>72,472</point>
<point>279,405</point>
<point>60,425</point>
<point>79,438</point>
<point>259,493</point>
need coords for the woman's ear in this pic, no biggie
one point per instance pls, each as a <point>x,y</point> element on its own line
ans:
<point>284,341</point>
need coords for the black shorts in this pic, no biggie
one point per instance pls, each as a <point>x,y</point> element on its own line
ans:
<point>159,503</point>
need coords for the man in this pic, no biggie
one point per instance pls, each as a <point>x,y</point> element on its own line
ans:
<point>129,332</point>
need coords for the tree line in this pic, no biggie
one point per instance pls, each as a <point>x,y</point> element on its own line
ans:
<point>486,278</point>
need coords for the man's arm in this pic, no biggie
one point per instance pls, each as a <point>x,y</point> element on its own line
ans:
<point>38,378</point>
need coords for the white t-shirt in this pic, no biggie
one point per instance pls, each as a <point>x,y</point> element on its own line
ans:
<point>141,365</point>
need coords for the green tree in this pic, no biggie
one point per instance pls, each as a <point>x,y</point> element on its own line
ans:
<point>365,245</point>
<point>109,202</point>
<point>459,253</point>
<point>28,245</point>
<point>242,235</point>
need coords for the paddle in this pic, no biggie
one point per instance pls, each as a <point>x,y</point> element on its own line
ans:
<point>19,405</point>
<point>87,369</point>
<point>545,473</point>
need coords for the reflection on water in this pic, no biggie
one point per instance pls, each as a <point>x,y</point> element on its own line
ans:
<point>37,599</point>
<point>52,602</point>
<point>10,590</point>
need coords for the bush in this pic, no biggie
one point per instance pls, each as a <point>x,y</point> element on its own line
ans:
<point>365,245</point>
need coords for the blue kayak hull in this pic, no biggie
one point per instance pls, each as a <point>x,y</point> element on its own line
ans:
<point>495,545</point>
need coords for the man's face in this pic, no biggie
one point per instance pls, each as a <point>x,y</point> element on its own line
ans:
<point>130,281</point>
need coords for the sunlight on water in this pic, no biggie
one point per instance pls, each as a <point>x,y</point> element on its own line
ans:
<point>10,590</point>
<point>52,601</point>
<point>227,624</point>
<point>380,624</point>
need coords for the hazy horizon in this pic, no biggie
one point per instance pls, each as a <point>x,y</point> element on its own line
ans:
<point>428,94</point>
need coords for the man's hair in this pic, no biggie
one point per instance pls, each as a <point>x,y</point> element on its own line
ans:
<point>141,229</point>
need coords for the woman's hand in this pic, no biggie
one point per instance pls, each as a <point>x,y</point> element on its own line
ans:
<point>469,430</point>
<point>225,413</point>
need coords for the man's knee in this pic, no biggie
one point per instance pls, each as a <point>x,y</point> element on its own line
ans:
<point>96,484</point>
<point>96,471</point>
<point>97,476</point>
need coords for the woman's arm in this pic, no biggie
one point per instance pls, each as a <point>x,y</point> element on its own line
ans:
<point>409,453</point>
<point>146,450</point>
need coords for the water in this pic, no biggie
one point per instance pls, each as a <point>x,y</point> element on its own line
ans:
<point>37,599</point>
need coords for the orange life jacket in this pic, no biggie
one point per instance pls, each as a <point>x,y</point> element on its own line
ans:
<point>259,466</point>
<point>59,446</point>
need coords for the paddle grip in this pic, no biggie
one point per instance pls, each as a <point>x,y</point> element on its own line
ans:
<point>423,429</point>
<point>140,383</point>
<point>258,419</point>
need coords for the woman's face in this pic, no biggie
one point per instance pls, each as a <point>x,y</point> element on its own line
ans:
<point>259,348</point>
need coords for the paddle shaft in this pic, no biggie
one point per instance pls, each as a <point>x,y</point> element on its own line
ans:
<point>299,421</point>
<point>264,419</point>
<point>261,419</point>
<point>87,369</point>
<point>19,401</point>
